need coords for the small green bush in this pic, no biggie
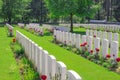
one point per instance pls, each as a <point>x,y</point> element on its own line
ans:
<point>74,50</point>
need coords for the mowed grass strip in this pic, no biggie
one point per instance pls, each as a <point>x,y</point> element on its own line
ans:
<point>86,69</point>
<point>8,67</point>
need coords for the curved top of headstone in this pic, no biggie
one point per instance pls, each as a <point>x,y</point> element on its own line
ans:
<point>74,75</point>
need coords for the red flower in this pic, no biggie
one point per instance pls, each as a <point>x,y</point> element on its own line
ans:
<point>97,49</point>
<point>85,43</point>
<point>43,77</point>
<point>91,51</point>
<point>94,36</point>
<point>113,55</point>
<point>10,30</point>
<point>118,59</point>
<point>108,56</point>
<point>81,45</point>
<point>14,40</point>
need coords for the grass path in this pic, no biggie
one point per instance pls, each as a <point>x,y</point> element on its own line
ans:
<point>86,69</point>
<point>8,66</point>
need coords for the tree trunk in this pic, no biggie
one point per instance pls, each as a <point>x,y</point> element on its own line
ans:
<point>98,14</point>
<point>71,22</point>
<point>9,20</point>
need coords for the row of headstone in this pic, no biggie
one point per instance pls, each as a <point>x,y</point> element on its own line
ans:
<point>92,42</point>
<point>57,27</point>
<point>44,63</point>
<point>103,35</point>
<point>36,27</point>
<point>105,27</point>
<point>68,25</point>
<point>68,38</point>
<point>10,29</point>
<point>21,25</point>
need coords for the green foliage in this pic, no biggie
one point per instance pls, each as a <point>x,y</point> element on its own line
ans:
<point>117,11</point>
<point>29,73</point>
<point>74,50</point>
<point>80,8</point>
<point>105,64</point>
<point>18,49</point>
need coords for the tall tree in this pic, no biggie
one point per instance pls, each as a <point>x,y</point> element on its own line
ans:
<point>38,10</point>
<point>117,10</point>
<point>81,8</point>
<point>13,9</point>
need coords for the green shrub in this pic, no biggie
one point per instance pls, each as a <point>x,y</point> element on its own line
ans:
<point>107,65</point>
<point>74,50</point>
<point>68,48</point>
<point>61,45</point>
<point>18,49</point>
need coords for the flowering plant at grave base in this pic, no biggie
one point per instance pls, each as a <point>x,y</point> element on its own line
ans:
<point>91,51</point>
<point>108,56</point>
<point>94,36</point>
<point>43,77</point>
<point>97,50</point>
<point>14,40</point>
<point>10,30</point>
<point>117,59</point>
<point>84,46</point>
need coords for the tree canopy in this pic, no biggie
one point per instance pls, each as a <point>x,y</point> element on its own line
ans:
<point>81,8</point>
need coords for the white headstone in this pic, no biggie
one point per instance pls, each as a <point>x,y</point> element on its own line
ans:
<point>90,40</point>
<point>51,67</point>
<point>105,45</point>
<point>114,49</point>
<point>45,63</point>
<point>110,37</point>
<point>83,38</point>
<point>72,75</point>
<point>78,41</point>
<point>39,60</point>
<point>60,71</point>
<point>96,43</point>
<point>116,37</point>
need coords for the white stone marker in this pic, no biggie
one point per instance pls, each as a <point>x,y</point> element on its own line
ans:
<point>74,39</point>
<point>78,41</point>
<point>72,75</point>
<point>87,32</point>
<point>104,35</point>
<point>69,38</point>
<point>51,67</point>
<point>96,43</point>
<point>63,36</point>
<point>70,42</point>
<point>91,33</point>
<point>60,71</point>
<point>105,46</point>
<point>83,38</point>
<point>95,32</point>
<point>33,51</point>
<point>110,37</point>
<point>116,37</point>
<point>90,40</point>
<point>114,49</point>
<point>40,60</point>
<point>45,63</point>
<point>99,34</point>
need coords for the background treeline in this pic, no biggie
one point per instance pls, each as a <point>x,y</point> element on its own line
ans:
<point>44,11</point>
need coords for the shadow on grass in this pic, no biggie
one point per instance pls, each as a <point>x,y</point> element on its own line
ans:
<point>47,34</point>
<point>80,32</point>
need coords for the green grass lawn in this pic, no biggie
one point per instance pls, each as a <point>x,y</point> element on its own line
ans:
<point>86,69</point>
<point>8,67</point>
